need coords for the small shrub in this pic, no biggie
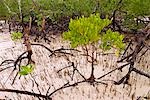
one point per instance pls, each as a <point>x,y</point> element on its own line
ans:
<point>16,36</point>
<point>85,30</point>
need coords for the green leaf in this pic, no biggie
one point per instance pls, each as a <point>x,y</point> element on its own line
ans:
<point>16,36</point>
<point>25,70</point>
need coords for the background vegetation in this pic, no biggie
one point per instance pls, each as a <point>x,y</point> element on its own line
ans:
<point>127,10</point>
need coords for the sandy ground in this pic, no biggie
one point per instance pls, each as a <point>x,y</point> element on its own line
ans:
<point>45,74</point>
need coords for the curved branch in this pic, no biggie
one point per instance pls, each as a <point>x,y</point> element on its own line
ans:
<point>26,93</point>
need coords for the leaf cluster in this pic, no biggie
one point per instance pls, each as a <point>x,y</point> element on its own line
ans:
<point>112,39</point>
<point>85,30</point>
<point>16,36</point>
<point>25,70</point>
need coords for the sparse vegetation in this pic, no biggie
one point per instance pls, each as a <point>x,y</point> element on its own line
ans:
<point>89,24</point>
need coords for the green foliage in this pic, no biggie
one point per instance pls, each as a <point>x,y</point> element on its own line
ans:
<point>112,39</point>
<point>54,9</point>
<point>49,8</point>
<point>132,7</point>
<point>16,36</point>
<point>85,30</point>
<point>79,7</point>
<point>135,9</point>
<point>3,10</point>
<point>107,6</point>
<point>127,11</point>
<point>58,8</point>
<point>25,70</point>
